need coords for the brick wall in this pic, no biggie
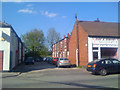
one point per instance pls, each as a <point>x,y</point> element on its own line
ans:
<point>83,46</point>
<point>60,49</point>
<point>72,46</point>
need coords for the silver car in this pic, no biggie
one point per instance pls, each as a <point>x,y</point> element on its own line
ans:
<point>63,62</point>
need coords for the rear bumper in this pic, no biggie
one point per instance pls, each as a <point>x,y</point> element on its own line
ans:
<point>93,70</point>
<point>64,64</point>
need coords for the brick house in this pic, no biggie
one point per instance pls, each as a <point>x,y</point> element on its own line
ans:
<point>95,40</point>
<point>89,40</point>
<point>60,48</point>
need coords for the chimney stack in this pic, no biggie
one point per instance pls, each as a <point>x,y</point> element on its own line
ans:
<point>68,35</point>
<point>64,36</point>
<point>97,20</point>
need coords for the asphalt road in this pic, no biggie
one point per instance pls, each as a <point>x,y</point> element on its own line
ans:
<point>48,76</point>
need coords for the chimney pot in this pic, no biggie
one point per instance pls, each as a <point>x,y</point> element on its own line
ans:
<point>64,36</point>
<point>68,35</point>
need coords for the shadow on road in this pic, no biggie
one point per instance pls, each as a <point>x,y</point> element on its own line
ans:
<point>81,85</point>
<point>22,68</point>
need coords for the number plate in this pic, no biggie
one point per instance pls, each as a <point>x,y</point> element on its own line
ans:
<point>65,61</point>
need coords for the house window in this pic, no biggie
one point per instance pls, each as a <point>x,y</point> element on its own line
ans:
<point>65,42</point>
<point>55,47</point>
<point>61,44</point>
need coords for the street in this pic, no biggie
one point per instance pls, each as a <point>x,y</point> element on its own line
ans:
<point>44,75</point>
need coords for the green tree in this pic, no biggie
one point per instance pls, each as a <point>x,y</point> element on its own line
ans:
<point>34,42</point>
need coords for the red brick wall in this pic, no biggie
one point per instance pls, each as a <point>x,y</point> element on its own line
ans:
<point>83,49</point>
<point>72,46</point>
<point>83,46</point>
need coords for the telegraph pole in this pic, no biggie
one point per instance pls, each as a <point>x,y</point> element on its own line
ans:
<point>77,42</point>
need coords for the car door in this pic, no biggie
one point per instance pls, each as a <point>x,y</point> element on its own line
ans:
<point>116,65</point>
<point>109,66</point>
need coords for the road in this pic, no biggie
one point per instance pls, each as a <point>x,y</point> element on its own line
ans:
<point>45,75</point>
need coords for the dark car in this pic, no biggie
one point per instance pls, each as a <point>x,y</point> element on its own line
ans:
<point>29,60</point>
<point>104,66</point>
<point>50,60</point>
<point>39,59</point>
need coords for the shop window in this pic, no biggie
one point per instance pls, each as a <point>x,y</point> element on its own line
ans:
<point>108,52</point>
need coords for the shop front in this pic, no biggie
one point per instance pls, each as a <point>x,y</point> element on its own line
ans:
<point>102,47</point>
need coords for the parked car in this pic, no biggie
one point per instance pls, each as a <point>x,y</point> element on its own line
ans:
<point>63,62</point>
<point>104,66</point>
<point>54,60</point>
<point>49,59</point>
<point>44,59</point>
<point>39,59</point>
<point>29,60</point>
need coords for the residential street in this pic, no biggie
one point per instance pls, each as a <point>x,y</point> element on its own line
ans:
<point>44,75</point>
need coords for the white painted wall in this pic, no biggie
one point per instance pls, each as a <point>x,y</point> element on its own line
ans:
<point>5,46</point>
<point>90,52</point>
<point>101,42</point>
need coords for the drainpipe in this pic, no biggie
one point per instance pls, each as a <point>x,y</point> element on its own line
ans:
<point>77,44</point>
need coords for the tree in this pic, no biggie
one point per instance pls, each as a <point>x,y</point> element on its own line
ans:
<point>52,37</point>
<point>34,41</point>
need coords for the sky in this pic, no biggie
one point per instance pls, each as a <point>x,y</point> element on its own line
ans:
<point>25,16</point>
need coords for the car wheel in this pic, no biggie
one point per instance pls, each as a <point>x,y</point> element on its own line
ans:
<point>103,72</point>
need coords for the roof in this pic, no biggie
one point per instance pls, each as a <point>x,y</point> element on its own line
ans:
<point>99,28</point>
<point>3,24</point>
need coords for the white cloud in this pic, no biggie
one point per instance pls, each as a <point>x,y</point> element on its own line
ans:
<point>30,11</point>
<point>64,16</point>
<point>46,13</point>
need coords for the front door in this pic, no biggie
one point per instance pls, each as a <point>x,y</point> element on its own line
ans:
<point>1,60</point>
<point>95,55</point>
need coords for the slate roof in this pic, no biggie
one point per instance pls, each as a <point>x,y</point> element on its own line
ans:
<point>99,28</point>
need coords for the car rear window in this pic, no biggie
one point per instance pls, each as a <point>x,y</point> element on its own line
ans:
<point>96,61</point>
<point>55,58</point>
<point>63,59</point>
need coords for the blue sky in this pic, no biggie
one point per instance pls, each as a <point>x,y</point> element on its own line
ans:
<point>25,16</point>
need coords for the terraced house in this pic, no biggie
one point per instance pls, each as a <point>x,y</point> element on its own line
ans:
<point>11,48</point>
<point>90,40</point>
<point>60,49</point>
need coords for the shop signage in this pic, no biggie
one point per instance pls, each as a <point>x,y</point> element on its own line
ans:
<point>104,41</point>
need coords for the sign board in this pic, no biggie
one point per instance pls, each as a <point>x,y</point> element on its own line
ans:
<point>105,42</point>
